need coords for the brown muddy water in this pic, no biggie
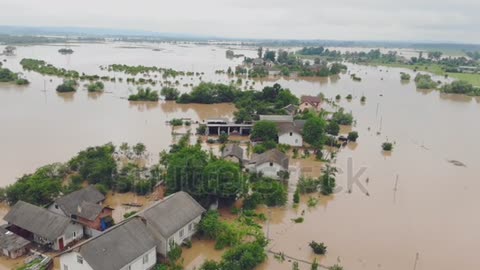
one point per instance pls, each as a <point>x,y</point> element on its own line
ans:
<point>416,210</point>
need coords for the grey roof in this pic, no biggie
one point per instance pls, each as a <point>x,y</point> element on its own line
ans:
<point>82,203</point>
<point>233,150</point>
<point>277,118</point>
<point>11,241</point>
<point>118,246</point>
<point>311,99</point>
<point>287,127</point>
<point>37,220</point>
<point>290,108</point>
<point>171,214</point>
<point>273,155</point>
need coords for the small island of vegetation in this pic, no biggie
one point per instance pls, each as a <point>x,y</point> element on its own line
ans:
<point>144,94</point>
<point>67,86</point>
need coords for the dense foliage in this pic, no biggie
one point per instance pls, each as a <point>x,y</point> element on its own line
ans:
<point>208,93</point>
<point>461,87</point>
<point>144,95</point>
<point>170,93</point>
<point>67,86</point>
<point>96,87</point>
<point>424,81</point>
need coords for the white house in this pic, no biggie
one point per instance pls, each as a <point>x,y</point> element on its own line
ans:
<point>290,133</point>
<point>126,246</point>
<point>42,226</point>
<point>172,220</point>
<point>269,163</point>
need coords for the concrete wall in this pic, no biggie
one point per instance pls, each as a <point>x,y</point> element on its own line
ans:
<point>292,139</point>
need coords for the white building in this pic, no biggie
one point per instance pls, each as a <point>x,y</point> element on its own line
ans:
<point>126,246</point>
<point>290,133</point>
<point>172,220</point>
<point>270,163</point>
<point>42,226</point>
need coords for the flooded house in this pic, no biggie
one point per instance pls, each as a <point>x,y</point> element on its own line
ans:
<point>218,126</point>
<point>233,152</point>
<point>42,226</point>
<point>270,163</point>
<point>172,220</point>
<point>12,245</point>
<point>85,206</point>
<point>290,133</point>
<point>310,103</point>
<point>128,245</point>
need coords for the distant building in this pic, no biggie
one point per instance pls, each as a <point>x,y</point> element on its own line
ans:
<point>258,62</point>
<point>468,69</point>
<point>126,246</point>
<point>172,220</point>
<point>41,226</point>
<point>276,118</point>
<point>85,207</point>
<point>12,245</point>
<point>310,103</point>
<point>291,109</point>
<point>290,133</point>
<point>218,126</point>
<point>270,163</point>
<point>233,152</point>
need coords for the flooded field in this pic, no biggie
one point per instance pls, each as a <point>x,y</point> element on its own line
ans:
<point>417,206</point>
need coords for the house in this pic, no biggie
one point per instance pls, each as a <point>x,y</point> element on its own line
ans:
<point>126,246</point>
<point>12,245</point>
<point>172,220</point>
<point>233,152</point>
<point>291,133</point>
<point>85,207</point>
<point>258,62</point>
<point>276,118</point>
<point>290,109</point>
<point>41,226</point>
<point>310,103</point>
<point>269,163</point>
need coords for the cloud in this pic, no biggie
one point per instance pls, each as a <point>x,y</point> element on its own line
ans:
<point>426,20</point>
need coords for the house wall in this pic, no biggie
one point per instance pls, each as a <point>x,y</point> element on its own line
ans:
<point>188,232</point>
<point>269,171</point>
<point>309,106</point>
<point>70,261</point>
<point>72,233</point>
<point>292,139</point>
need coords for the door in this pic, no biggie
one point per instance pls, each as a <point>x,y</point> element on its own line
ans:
<point>60,243</point>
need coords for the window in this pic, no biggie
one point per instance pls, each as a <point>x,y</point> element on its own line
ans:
<point>291,133</point>
<point>79,259</point>
<point>145,259</point>
<point>181,233</point>
<point>56,207</point>
<point>271,164</point>
<point>74,234</point>
<point>65,267</point>
<point>190,227</point>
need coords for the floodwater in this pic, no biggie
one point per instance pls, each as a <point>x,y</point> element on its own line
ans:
<point>417,209</point>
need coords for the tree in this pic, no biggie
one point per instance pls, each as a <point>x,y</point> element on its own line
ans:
<point>269,55</point>
<point>318,248</point>
<point>333,128</point>
<point>271,191</point>
<point>223,179</point>
<point>245,256</point>
<point>185,170</point>
<point>296,196</point>
<point>223,138</point>
<point>260,52</point>
<point>352,136</point>
<point>67,86</point>
<point>170,93</point>
<point>387,146</point>
<point>342,118</point>
<point>328,180</point>
<point>139,149</point>
<point>40,188</point>
<point>264,131</point>
<point>314,131</point>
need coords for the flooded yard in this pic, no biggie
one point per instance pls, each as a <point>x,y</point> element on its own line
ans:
<point>416,208</point>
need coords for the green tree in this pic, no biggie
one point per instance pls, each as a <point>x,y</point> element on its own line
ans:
<point>352,136</point>
<point>264,131</point>
<point>333,128</point>
<point>269,55</point>
<point>223,179</point>
<point>314,131</point>
<point>327,183</point>
<point>170,93</point>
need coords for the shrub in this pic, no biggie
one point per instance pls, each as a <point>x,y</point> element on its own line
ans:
<point>95,87</point>
<point>333,128</point>
<point>176,122</point>
<point>67,86</point>
<point>387,146</point>
<point>21,81</point>
<point>296,196</point>
<point>170,93</point>
<point>352,136</point>
<point>404,76</point>
<point>298,220</point>
<point>318,248</point>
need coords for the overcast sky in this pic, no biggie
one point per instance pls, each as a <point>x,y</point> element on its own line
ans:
<point>421,20</point>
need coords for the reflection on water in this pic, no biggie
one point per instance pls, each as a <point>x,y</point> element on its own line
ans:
<point>432,202</point>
